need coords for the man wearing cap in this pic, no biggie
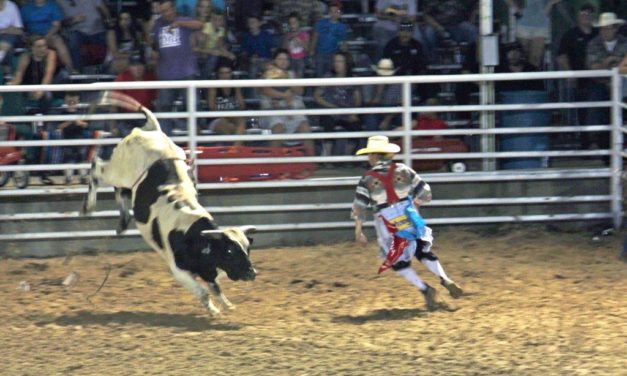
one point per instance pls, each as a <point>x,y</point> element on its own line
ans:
<point>406,52</point>
<point>604,52</point>
<point>394,191</point>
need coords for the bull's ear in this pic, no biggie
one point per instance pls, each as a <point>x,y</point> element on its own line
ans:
<point>247,229</point>
<point>212,234</point>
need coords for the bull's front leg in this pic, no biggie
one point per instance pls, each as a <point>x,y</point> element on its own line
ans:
<point>190,283</point>
<point>121,194</point>
<point>95,173</point>
<point>214,287</point>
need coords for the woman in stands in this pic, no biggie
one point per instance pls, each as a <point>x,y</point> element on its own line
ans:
<point>39,66</point>
<point>125,39</point>
<point>284,98</point>
<point>226,99</point>
<point>339,97</point>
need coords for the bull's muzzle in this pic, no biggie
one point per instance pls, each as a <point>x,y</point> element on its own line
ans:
<point>250,275</point>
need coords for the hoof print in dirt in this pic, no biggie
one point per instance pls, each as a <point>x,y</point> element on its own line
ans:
<point>311,284</point>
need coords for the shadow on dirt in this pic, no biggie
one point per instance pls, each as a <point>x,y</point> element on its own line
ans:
<point>382,315</point>
<point>186,322</point>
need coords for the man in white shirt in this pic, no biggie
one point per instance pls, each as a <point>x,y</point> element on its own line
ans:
<point>11,27</point>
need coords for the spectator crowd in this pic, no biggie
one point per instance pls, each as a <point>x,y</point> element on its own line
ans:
<point>60,41</point>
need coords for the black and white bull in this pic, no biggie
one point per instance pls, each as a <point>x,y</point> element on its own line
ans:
<point>166,209</point>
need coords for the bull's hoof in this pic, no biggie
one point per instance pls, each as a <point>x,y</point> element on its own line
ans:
<point>123,225</point>
<point>230,307</point>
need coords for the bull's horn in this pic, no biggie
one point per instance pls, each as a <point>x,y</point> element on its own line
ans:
<point>212,234</point>
<point>247,229</point>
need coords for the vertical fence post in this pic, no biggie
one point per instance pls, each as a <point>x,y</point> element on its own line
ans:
<point>191,123</point>
<point>616,163</point>
<point>407,123</point>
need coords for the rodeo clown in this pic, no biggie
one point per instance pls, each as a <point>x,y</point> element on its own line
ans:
<point>394,191</point>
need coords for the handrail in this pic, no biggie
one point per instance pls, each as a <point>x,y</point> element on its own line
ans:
<point>612,173</point>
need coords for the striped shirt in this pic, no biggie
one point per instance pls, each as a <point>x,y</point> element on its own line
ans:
<point>370,191</point>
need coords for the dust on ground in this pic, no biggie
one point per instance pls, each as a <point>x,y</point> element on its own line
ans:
<point>536,303</point>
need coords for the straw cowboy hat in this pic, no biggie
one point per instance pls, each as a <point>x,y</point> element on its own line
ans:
<point>379,144</point>
<point>385,67</point>
<point>608,19</point>
<point>274,73</point>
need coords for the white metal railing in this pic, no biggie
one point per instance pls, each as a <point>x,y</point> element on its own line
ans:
<point>406,109</point>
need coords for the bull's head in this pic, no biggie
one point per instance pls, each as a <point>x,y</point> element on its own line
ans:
<point>230,250</point>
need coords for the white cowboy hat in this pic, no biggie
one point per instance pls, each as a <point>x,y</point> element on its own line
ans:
<point>385,67</point>
<point>608,19</point>
<point>379,144</point>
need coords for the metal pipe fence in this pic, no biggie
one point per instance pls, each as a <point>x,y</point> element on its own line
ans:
<point>406,110</point>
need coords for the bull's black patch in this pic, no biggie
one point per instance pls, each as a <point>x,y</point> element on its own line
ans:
<point>190,253</point>
<point>161,172</point>
<point>187,249</point>
<point>156,233</point>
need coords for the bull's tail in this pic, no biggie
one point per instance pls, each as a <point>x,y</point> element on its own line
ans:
<point>112,98</point>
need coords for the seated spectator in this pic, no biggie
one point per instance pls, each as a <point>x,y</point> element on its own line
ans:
<point>72,130</point>
<point>390,13</point>
<point>136,71</point>
<point>43,17</point>
<point>209,44</point>
<point>429,121</point>
<point>328,38</point>
<point>85,22</point>
<point>339,97</point>
<point>385,95</point>
<point>256,47</point>
<point>296,41</point>
<point>515,61</point>
<point>273,98</point>
<point>242,10</point>
<point>123,40</point>
<point>226,99</point>
<point>309,11</point>
<point>451,20</point>
<point>38,67</point>
<point>11,27</point>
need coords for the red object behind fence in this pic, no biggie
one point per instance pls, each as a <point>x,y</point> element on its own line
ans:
<point>434,146</point>
<point>252,172</point>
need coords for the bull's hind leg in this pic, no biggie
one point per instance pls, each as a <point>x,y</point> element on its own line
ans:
<point>190,283</point>
<point>121,195</point>
<point>95,174</point>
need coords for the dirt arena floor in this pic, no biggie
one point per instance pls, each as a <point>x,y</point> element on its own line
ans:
<point>537,303</point>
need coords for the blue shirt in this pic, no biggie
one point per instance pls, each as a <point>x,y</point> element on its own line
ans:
<point>260,44</point>
<point>186,8</point>
<point>218,5</point>
<point>330,35</point>
<point>39,19</point>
